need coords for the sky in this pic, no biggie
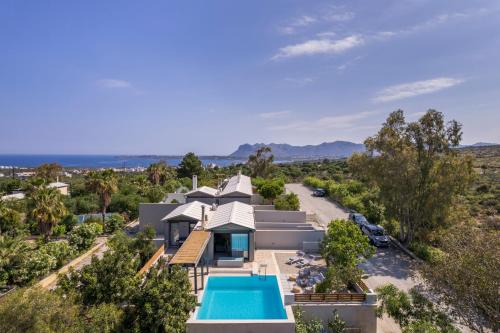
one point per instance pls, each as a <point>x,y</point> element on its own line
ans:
<point>168,77</point>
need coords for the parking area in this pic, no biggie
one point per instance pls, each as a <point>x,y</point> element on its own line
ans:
<point>388,265</point>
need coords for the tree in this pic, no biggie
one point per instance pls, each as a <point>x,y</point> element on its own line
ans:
<point>48,171</point>
<point>466,276</point>
<point>13,251</point>
<point>189,166</point>
<point>344,245</point>
<point>83,236</point>
<point>48,209</point>
<point>164,301</point>
<point>10,220</point>
<point>412,311</point>
<point>36,310</point>
<point>261,162</point>
<point>157,173</point>
<point>417,170</point>
<point>287,202</point>
<point>271,189</point>
<point>104,184</point>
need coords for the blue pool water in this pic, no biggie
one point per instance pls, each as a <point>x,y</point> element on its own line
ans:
<point>242,297</point>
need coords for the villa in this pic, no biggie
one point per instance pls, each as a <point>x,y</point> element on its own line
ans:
<point>246,261</point>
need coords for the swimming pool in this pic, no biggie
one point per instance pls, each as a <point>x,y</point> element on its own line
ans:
<point>242,297</point>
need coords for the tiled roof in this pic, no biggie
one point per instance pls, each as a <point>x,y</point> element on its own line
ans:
<point>190,210</point>
<point>235,212</point>
<point>205,190</point>
<point>237,184</point>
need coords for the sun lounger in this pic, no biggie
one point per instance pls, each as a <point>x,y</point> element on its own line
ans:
<point>301,253</point>
<point>294,260</point>
<point>314,256</point>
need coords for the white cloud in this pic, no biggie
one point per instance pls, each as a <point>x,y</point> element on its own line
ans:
<point>326,34</point>
<point>274,115</point>
<point>412,89</point>
<point>300,81</point>
<point>339,17</point>
<point>326,123</point>
<point>319,46</point>
<point>113,83</point>
<point>302,21</point>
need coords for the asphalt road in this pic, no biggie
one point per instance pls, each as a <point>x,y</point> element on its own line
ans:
<point>388,265</point>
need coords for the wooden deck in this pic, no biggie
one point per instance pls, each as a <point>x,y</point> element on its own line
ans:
<point>192,249</point>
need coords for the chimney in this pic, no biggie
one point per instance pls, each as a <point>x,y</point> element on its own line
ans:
<point>202,216</point>
<point>195,182</point>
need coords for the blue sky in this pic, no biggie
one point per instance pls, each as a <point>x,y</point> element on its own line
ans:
<point>167,77</point>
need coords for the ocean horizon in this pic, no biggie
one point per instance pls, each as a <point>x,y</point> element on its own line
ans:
<point>104,161</point>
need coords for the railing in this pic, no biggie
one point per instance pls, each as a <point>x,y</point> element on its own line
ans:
<point>152,260</point>
<point>336,297</point>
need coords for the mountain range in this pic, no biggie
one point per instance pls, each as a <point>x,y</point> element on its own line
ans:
<point>335,149</point>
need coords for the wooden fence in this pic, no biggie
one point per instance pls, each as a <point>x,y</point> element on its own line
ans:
<point>336,297</point>
<point>152,260</point>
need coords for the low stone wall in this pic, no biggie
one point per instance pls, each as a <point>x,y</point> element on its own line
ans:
<point>362,316</point>
<point>286,239</point>
<point>264,207</point>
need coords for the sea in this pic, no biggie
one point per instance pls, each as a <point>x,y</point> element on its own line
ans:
<point>104,161</point>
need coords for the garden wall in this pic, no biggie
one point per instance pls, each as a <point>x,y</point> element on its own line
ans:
<point>279,216</point>
<point>152,213</point>
<point>286,239</point>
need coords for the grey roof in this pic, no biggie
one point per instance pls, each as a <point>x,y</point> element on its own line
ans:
<point>235,212</point>
<point>237,184</point>
<point>190,210</point>
<point>204,190</point>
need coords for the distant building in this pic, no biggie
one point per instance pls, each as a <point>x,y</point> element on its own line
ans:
<point>62,187</point>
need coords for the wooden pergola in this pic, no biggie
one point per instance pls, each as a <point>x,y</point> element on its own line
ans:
<point>190,254</point>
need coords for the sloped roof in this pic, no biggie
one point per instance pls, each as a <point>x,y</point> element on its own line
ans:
<point>192,249</point>
<point>204,190</point>
<point>235,212</point>
<point>237,184</point>
<point>190,210</point>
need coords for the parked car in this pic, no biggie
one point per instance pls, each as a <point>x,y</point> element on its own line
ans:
<point>376,234</point>
<point>359,219</point>
<point>319,192</point>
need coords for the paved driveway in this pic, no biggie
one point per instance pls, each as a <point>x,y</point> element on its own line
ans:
<point>388,265</point>
<point>324,209</point>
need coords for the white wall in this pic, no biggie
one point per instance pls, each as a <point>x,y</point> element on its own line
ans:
<point>286,239</point>
<point>264,207</point>
<point>279,216</point>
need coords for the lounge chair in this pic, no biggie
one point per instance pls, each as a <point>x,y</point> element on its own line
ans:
<point>294,260</point>
<point>301,253</point>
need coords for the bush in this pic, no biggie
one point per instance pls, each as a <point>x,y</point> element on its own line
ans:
<point>287,202</point>
<point>313,182</point>
<point>59,250</point>
<point>425,252</point>
<point>354,203</point>
<point>58,230</point>
<point>113,223</point>
<point>306,326</point>
<point>83,236</point>
<point>69,222</point>
<point>391,226</point>
<point>37,263</point>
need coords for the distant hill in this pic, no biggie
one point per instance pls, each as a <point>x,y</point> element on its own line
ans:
<point>336,149</point>
<point>483,144</point>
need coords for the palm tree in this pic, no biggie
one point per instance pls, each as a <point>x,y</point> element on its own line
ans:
<point>48,209</point>
<point>104,184</point>
<point>157,172</point>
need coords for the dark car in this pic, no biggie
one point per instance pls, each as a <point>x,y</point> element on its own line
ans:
<point>319,192</point>
<point>376,234</point>
<point>359,219</point>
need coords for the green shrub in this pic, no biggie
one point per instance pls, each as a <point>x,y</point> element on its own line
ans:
<point>38,263</point>
<point>425,252</point>
<point>353,202</point>
<point>83,236</point>
<point>391,226</point>
<point>69,222</point>
<point>313,182</point>
<point>58,230</point>
<point>60,251</point>
<point>113,223</point>
<point>287,202</point>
